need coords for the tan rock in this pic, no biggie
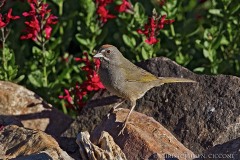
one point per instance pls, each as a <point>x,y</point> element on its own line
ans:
<point>143,137</point>
<point>105,148</point>
<point>32,110</point>
<point>19,142</point>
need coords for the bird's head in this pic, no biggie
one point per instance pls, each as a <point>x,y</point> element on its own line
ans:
<point>108,53</point>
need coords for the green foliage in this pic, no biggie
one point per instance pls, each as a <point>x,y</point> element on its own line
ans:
<point>204,38</point>
<point>8,69</point>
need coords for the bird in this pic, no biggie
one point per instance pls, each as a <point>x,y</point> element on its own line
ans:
<point>126,80</point>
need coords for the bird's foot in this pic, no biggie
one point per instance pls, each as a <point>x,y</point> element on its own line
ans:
<point>122,130</point>
<point>111,111</point>
<point>114,108</point>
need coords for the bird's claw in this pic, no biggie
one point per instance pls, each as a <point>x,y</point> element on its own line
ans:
<point>111,111</point>
<point>114,108</point>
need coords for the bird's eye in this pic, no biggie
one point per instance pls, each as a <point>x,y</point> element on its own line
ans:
<point>108,51</point>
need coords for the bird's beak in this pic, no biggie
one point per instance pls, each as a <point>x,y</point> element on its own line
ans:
<point>99,55</point>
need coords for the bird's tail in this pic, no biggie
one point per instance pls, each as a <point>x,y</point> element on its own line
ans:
<point>174,80</point>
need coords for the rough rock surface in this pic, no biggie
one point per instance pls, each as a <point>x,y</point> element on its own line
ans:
<point>143,137</point>
<point>9,120</point>
<point>200,115</point>
<point>33,112</point>
<point>225,151</point>
<point>29,144</point>
<point>104,148</point>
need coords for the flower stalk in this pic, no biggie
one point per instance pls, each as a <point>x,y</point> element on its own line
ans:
<point>39,29</point>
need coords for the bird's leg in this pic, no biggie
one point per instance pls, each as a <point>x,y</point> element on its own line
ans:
<point>118,104</point>
<point>133,104</point>
<point>114,107</point>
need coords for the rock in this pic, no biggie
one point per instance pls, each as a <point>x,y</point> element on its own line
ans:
<point>225,151</point>
<point>9,120</point>
<point>33,112</point>
<point>200,115</point>
<point>28,144</point>
<point>143,136</point>
<point>92,114</point>
<point>105,147</point>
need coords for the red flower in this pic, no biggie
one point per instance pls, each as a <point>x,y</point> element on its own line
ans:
<point>32,1</point>
<point>151,29</point>
<point>33,28</point>
<point>97,63</point>
<point>48,29</point>
<point>40,21</point>
<point>4,20</point>
<point>102,10</point>
<point>67,97</point>
<point>164,21</point>
<point>32,12</point>
<point>103,14</point>
<point>151,40</point>
<point>10,16</point>
<point>92,83</point>
<point>52,19</point>
<point>44,11</point>
<point>124,7</point>
<point>2,23</point>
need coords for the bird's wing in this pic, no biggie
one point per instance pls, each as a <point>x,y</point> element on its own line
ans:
<point>134,73</point>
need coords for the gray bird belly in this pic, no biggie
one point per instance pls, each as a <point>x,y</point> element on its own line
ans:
<point>112,81</point>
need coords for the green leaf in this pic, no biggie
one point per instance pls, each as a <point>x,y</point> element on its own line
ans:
<point>35,78</point>
<point>209,54</point>
<point>216,12</point>
<point>199,69</point>
<point>139,13</point>
<point>205,53</point>
<point>19,79</point>
<point>89,7</point>
<point>36,50</point>
<point>220,40</point>
<point>144,53</point>
<point>102,37</point>
<point>224,41</point>
<point>65,74</point>
<point>198,43</point>
<point>58,2</point>
<point>129,41</point>
<point>235,8</point>
<point>81,40</point>
<point>55,43</point>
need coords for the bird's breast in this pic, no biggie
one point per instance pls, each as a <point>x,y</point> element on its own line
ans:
<point>112,79</point>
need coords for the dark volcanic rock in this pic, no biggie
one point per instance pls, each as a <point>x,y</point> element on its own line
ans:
<point>200,115</point>
<point>92,114</point>
<point>225,151</point>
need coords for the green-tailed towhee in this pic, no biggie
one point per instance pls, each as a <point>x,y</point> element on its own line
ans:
<point>126,80</point>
